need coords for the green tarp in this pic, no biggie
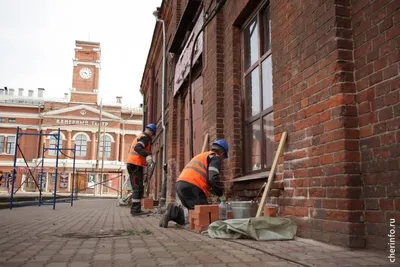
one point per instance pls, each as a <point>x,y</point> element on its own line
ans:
<point>260,229</point>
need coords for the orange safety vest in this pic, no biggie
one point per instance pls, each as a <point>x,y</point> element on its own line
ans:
<point>195,172</point>
<point>134,157</point>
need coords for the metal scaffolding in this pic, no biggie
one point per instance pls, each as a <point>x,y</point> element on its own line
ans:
<point>102,183</point>
<point>58,150</point>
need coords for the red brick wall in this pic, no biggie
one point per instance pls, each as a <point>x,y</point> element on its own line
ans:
<point>233,94</point>
<point>84,98</point>
<point>211,84</point>
<point>133,127</point>
<point>336,93</point>
<point>19,109</point>
<point>30,145</point>
<point>87,54</point>
<point>82,84</point>
<point>314,101</point>
<point>376,33</point>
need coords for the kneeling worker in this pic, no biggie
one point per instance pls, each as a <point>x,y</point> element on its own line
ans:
<point>139,156</point>
<point>198,178</point>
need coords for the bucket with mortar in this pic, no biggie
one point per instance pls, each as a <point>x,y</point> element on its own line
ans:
<point>244,209</point>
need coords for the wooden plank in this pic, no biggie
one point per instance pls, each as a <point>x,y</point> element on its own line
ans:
<point>272,173</point>
<point>204,143</point>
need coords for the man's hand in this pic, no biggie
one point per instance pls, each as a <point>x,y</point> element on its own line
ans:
<point>149,159</point>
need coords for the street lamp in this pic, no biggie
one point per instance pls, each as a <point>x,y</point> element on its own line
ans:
<point>157,15</point>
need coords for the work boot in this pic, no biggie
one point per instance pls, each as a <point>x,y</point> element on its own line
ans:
<point>139,213</point>
<point>136,210</point>
<point>166,216</point>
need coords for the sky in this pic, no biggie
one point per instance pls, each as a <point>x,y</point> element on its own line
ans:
<point>37,40</point>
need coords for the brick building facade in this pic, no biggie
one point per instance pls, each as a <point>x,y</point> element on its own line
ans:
<point>327,72</point>
<point>78,117</point>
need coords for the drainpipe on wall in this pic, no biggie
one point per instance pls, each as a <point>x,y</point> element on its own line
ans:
<point>144,113</point>
<point>164,164</point>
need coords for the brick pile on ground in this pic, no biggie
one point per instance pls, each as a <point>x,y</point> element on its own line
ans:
<point>203,215</point>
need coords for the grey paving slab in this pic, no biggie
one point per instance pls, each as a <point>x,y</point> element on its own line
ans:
<point>96,232</point>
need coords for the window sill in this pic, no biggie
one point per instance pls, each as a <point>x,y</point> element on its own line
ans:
<point>261,175</point>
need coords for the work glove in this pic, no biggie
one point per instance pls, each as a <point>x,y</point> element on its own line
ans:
<point>149,159</point>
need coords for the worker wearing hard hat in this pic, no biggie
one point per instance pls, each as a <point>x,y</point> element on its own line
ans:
<point>139,156</point>
<point>200,176</point>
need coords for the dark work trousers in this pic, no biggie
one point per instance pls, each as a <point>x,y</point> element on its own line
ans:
<point>136,177</point>
<point>189,195</point>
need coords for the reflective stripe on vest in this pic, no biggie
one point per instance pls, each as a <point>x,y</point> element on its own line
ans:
<point>134,157</point>
<point>196,174</point>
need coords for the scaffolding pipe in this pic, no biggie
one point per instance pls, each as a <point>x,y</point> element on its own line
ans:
<point>55,182</point>
<point>73,177</point>
<point>38,154</point>
<point>13,171</point>
<point>102,160</point>
<point>77,184</point>
<point>98,142</point>
<point>41,175</point>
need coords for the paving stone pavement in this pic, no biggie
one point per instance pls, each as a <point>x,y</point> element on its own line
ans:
<point>96,233</point>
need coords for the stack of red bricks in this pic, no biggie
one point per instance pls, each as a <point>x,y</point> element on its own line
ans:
<point>147,203</point>
<point>203,215</point>
<point>270,211</point>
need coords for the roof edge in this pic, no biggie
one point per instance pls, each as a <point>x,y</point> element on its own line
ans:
<point>87,42</point>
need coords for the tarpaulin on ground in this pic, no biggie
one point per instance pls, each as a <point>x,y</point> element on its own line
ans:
<point>260,229</point>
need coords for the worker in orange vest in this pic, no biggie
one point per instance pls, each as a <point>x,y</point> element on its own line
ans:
<point>139,156</point>
<point>198,178</point>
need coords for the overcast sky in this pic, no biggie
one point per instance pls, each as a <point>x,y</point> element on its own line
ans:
<point>37,39</point>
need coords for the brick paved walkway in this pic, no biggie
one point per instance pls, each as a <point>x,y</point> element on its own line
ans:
<point>32,236</point>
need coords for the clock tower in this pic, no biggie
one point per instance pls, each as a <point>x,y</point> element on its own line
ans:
<point>85,79</point>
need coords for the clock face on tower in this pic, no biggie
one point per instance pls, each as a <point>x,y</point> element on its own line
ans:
<point>85,73</point>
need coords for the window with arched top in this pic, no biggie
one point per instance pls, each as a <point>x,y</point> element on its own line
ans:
<point>53,145</point>
<point>81,141</point>
<point>105,146</point>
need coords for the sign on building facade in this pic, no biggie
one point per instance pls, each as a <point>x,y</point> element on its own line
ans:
<point>63,180</point>
<point>91,180</point>
<point>182,67</point>
<point>80,122</point>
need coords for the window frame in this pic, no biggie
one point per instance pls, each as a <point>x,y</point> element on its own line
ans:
<point>106,146</point>
<point>53,151</point>
<point>2,148</point>
<point>8,144</point>
<point>256,15</point>
<point>78,152</point>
